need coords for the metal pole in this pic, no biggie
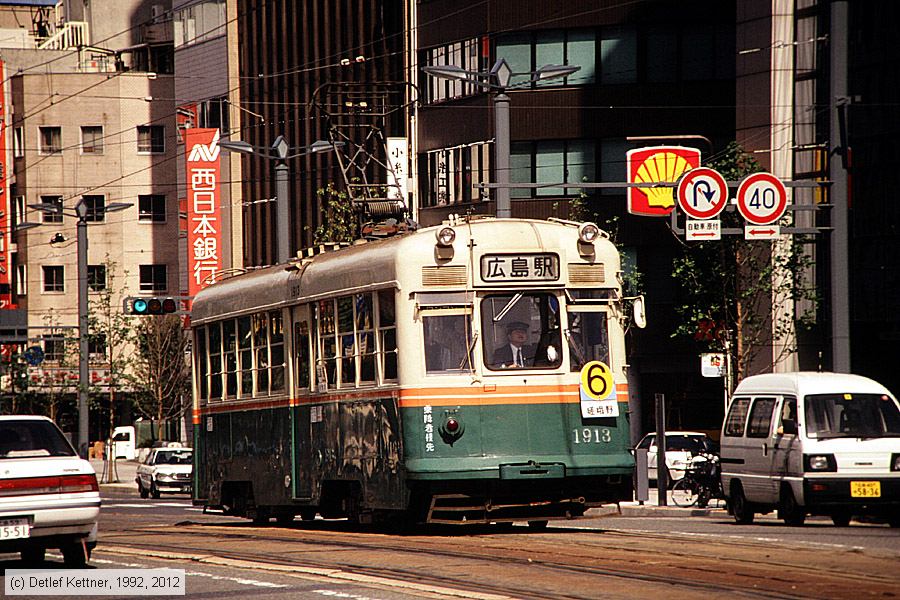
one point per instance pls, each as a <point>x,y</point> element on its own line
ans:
<point>840,301</point>
<point>83,376</point>
<point>662,476</point>
<point>501,154</point>
<point>282,212</point>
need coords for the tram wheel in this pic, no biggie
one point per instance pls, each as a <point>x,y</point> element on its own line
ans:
<point>538,525</point>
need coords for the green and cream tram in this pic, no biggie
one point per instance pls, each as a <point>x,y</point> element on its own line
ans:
<point>466,373</point>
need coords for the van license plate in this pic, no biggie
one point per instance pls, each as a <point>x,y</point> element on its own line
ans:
<point>865,489</point>
<point>11,529</point>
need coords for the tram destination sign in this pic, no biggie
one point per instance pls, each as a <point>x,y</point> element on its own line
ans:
<point>498,268</point>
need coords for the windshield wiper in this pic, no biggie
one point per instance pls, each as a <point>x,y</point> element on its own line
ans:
<point>512,302</point>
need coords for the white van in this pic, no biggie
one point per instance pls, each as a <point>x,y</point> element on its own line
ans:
<point>812,443</point>
<point>122,442</point>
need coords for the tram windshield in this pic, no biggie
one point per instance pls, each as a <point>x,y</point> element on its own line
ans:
<point>521,331</point>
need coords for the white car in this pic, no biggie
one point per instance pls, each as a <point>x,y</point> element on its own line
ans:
<point>49,497</point>
<point>681,447</point>
<point>168,470</point>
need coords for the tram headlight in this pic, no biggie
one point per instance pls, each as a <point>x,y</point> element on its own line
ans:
<point>588,232</point>
<point>445,236</point>
<point>452,428</point>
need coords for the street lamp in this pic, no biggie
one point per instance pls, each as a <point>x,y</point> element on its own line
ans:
<point>280,152</point>
<point>81,212</point>
<point>497,80</point>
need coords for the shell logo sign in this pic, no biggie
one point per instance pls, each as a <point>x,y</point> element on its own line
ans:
<point>655,165</point>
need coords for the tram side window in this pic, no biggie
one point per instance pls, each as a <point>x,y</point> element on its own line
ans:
<point>276,349</point>
<point>202,366</point>
<point>245,355</point>
<point>326,361</point>
<point>387,334</point>
<point>215,361</point>
<point>365,338</point>
<point>447,341</point>
<point>588,338</point>
<point>229,341</point>
<point>301,347</point>
<point>348,344</point>
<point>260,325</point>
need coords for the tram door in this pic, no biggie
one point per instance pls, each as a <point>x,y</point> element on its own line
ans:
<point>303,414</point>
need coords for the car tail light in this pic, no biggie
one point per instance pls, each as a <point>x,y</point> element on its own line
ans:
<point>30,486</point>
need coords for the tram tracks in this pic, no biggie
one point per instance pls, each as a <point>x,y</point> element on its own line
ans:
<point>564,564</point>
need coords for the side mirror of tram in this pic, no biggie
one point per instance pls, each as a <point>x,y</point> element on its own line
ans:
<point>639,317</point>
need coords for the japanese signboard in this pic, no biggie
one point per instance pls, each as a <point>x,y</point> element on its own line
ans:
<point>505,268</point>
<point>598,391</point>
<point>204,223</point>
<point>5,279</point>
<point>397,150</point>
<point>652,166</point>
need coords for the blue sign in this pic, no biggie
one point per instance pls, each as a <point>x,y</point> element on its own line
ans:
<point>34,356</point>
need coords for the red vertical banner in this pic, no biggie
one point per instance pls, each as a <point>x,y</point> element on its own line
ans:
<point>204,223</point>
<point>5,231</point>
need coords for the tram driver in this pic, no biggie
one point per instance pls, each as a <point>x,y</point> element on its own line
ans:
<point>516,353</point>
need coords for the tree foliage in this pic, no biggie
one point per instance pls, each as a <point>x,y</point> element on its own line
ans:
<point>340,224</point>
<point>748,296</point>
<point>162,376</point>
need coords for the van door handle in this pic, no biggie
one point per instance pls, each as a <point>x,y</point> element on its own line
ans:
<point>765,449</point>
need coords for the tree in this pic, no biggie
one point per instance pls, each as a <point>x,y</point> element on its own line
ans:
<point>162,375</point>
<point>340,224</point>
<point>745,296</point>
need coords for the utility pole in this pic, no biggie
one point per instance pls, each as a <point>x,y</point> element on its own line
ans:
<point>838,165</point>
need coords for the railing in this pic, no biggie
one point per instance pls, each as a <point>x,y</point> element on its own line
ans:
<point>71,35</point>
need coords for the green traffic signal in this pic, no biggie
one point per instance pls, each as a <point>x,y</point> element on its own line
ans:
<point>153,306</point>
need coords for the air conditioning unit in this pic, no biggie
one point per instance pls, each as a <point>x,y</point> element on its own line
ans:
<point>156,12</point>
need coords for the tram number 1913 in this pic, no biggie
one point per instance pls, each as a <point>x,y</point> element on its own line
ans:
<point>591,435</point>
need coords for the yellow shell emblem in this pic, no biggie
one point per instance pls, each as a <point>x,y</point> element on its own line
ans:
<point>663,166</point>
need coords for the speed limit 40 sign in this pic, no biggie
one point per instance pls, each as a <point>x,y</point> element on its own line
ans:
<point>762,198</point>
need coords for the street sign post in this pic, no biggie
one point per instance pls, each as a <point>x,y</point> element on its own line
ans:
<point>761,200</point>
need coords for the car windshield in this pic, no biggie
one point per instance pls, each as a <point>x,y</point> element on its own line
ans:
<point>685,443</point>
<point>173,457</point>
<point>851,415</point>
<point>24,439</point>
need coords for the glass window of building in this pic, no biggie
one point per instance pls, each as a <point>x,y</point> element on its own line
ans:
<point>96,276</point>
<point>618,56</point>
<point>57,215</point>
<point>151,139</point>
<point>153,278</point>
<point>54,278</point>
<point>91,139</point>
<point>199,22</point>
<point>152,208</point>
<point>96,208</point>
<point>51,140</point>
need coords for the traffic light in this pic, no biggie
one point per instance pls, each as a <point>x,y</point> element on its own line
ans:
<point>151,306</point>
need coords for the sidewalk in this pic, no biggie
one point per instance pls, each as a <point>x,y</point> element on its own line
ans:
<point>123,474</point>
<point>651,508</point>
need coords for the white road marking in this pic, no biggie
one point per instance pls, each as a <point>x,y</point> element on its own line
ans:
<point>238,580</point>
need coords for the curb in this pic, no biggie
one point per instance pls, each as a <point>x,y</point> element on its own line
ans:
<point>652,510</point>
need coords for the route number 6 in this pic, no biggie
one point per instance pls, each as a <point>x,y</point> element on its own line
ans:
<point>596,380</point>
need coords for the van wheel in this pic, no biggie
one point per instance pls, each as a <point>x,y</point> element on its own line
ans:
<point>154,493</point>
<point>143,491</point>
<point>740,508</point>
<point>841,518</point>
<point>33,554</point>
<point>75,555</point>
<point>792,513</point>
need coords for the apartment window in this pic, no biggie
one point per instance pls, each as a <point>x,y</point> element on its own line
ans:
<point>18,142</point>
<point>96,275</point>
<point>451,174</point>
<point>51,140</point>
<point>468,55</point>
<point>92,139</point>
<point>52,217</point>
<point>528,52</point>
<point>97,344</point>
<point>153,278</point>
<point>54,278</point>
<point>96,208</point>
<point>152,208</point>
<point>54,348</point>
<point>618,56</point>
<point>151,139</point>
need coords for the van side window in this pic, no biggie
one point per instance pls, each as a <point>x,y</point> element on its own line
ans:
<point>737,416</point>
<point>788,413</point>
<point>760,421</point>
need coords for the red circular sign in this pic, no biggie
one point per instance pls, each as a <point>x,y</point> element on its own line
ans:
<point>762,198</point>
<point>702,193</point>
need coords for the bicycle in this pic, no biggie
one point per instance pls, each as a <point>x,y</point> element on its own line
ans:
<point>701,483</point>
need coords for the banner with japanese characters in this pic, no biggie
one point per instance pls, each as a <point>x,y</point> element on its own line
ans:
<point>204,222</point>
<point>5,232</point>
